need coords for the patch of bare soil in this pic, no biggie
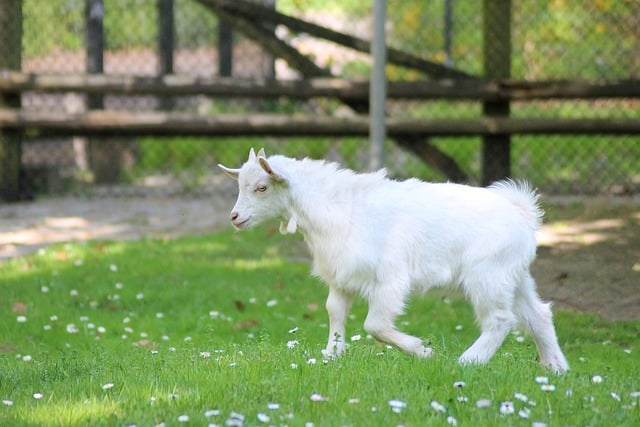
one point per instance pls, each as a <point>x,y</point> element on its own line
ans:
<point>588,255</point>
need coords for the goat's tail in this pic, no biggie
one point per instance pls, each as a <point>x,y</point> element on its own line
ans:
<point>522,195</point>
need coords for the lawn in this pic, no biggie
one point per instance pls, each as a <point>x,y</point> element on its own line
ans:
<point>227,330</point>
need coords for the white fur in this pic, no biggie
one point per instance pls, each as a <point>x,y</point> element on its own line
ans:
<point>383,240</point>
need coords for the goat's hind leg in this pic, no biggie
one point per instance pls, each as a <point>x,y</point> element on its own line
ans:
<point>492,303</point>
<point>536,317</point>
<point>383,309</point>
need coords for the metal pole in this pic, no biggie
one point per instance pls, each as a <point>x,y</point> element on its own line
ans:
<point>377,89</point>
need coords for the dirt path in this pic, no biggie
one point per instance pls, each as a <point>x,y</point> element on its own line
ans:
<point>588,259</point>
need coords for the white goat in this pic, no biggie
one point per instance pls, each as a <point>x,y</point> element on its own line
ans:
<point>384,239</point>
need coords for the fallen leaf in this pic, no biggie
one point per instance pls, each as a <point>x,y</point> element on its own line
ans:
<point>19,307</point>
<point>145,344</point>
<point>245,324</point>
<point>240,306</point>
<point>6,348</point>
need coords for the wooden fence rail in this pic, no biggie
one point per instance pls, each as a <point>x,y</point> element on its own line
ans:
<point>111,123</point>
<point>355,90</point>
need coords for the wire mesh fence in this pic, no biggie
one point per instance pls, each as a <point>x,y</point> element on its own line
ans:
<point>550,39</point>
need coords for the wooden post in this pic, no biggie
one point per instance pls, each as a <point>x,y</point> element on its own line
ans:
<point>496,149</point>
<point>10,59</point>
<point>94,16</point>
<point>166,37</point>
<point>225,49</point>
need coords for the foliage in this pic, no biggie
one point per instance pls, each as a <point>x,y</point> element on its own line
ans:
<point>227,326</point>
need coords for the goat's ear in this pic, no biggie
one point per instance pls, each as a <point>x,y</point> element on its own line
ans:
<point>261,153</point>
<point>268,169</point>
<point>233,173</point>
<point>252,154</point>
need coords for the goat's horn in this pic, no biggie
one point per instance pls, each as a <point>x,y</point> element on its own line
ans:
<point>233,173</point>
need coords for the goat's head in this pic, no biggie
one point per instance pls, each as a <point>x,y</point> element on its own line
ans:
<point>262,192</point>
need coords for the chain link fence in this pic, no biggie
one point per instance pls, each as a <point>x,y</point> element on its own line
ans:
<point>550,39</point>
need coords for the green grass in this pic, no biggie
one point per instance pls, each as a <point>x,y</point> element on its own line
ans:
<point>121,333</point>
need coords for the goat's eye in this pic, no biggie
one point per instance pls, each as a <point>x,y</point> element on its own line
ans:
<point>261,188</point>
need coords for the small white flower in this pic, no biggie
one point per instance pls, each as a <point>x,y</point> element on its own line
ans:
<point>635,394</point>
<point>463,399</point>
<point>292,343</point>
<point>548,387</point>
<point>113,267</point>
<point>211,413</point>
<point>353,400</point>
<point>73,293</point>
<point>159,315</point>
<point>273,406</point>
<point>317,397</point>
<point>542,380</point>
<point>44,289</point>
<point>524,413</point>
<point>78,262</point>
<point>72,328</point>
<point>102,329</point>
<point>356,338</point>
<point>397,405</point>
<point>140,296</point>
<point>521,397</point>
<point>293,330</point>
<point>107,386</point>
<point>311,361</point>
<point>47,327</point>
<point>438,407</point>
<point>37,395</point>
<point>27,358</point>
<point>538,424</point>
<point>483,403</point>
<point>7,402</point>
<point>615,396</point>
<point>187,339</point>
<point>263,418</point>
<point>596,379</point>
<point>459,384</point>
<point>507,408</point>
<point>459,327</point>
<point>184,418</point>
<point>173,396</point>
<point>205,354</point>
<point>119,286</point>
<point>272,303</point>
<point>21,319</point>
<point>452,421</point>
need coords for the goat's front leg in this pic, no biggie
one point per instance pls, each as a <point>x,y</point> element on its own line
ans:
<point>338,304</point>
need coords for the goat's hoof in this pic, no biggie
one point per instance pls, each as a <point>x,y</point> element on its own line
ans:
<point>331,354</point>
<point>425,352</point>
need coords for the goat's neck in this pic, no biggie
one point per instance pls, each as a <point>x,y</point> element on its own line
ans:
<point>319,213</point>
